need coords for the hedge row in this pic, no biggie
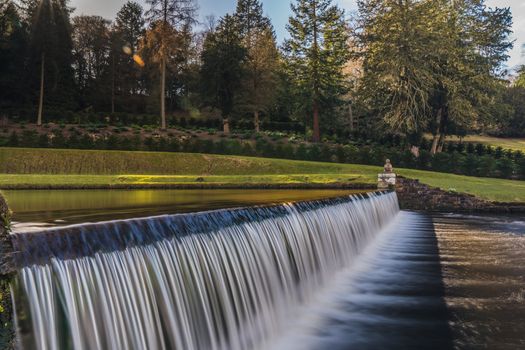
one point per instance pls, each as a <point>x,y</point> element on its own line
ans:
<point>499,164</point>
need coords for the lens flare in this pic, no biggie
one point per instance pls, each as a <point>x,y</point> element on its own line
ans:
<point>127,50</point>
<point>138,60</point>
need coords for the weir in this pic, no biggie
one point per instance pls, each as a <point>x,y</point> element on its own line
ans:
<point>229,279</point>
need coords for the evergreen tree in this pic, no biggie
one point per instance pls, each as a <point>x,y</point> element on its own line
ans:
<point>222,59</point>
<point>126,34</point>
<point>13,42</point>
<point>167,19</point>
<point>91,51</point>
<point>257,35</point>
<point>475,43</point>
<point>50,52</point>
<point>316,54</point>
<point>399,56</point>
<point>430,65</point>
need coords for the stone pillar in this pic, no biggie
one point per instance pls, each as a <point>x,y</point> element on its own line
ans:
<point>387,180</point>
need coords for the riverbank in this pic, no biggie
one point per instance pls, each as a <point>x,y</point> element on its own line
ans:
<point>414,195</point>
<point>6,312</point>
<point>301,181</point>
<point>77,169</point>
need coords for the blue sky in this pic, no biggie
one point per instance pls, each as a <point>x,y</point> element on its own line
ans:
<point>279,10</point>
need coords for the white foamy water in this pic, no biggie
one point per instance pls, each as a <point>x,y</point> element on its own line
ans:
<point>217,280</point>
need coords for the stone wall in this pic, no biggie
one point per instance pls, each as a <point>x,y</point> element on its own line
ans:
<point>414,195</point>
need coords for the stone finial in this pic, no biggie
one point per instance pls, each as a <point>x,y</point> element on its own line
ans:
<point>388,167</point>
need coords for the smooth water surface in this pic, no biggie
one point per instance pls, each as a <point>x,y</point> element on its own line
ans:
<point>34,210</point>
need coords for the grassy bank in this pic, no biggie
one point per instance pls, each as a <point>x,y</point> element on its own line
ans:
<point>47,168</point>
<point>514,144</point>
<point>76,162</point>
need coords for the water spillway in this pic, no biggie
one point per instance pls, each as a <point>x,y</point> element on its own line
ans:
<point>229,279</point>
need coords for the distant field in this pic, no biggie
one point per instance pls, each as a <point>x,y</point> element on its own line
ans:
<point>513,144</point>
<point>47,168</point>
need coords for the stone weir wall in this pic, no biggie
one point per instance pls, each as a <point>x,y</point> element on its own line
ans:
<point>414,195</point>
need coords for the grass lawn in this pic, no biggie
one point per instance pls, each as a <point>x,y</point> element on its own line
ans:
<point>47,168</point>
<point>488,188</point>
<point>513,144</point>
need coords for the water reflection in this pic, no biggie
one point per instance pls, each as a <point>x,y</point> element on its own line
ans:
<point>36,209</point>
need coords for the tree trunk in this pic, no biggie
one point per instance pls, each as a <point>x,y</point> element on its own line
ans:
<point>226,125</point>
<point>256,121</point>
<point>443,132</point>
<point>435,140</point>
<point>441,142</point>
<point>316,132</point>
<point>163,94</point>
<point>351,115</point>
<point>113,84</point>
<point>41,99</point>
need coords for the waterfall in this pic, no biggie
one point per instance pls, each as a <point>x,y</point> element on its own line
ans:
<point>229,279</point>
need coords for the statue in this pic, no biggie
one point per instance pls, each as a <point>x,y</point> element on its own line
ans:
<point>388,167</point>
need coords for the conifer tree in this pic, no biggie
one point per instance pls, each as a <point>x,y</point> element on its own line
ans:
<point>316,54</point>
<point>431,64</point>
<point>257,36</point>
<point>222,60</point>
<point>126,34</point>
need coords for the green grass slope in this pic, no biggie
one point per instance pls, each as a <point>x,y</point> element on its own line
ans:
<point>48,168</point>
<point>514,144</point>
<point>80,162</point>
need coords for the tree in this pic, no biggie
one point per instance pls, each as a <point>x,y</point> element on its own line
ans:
<point>50,49</point>
<point>399,56</point>
<point>167,18</point>
<point>430,65</point>
<point>262,59</point>
<point>520,80</point>
<point>476,39</point>
<point>222,59</point>
<point>13,44</point>
<point>126,34</point>
<point>91,51</point>
<point>316,54</point>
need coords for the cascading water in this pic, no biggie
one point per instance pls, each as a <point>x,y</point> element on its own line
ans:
<point>215,280</point>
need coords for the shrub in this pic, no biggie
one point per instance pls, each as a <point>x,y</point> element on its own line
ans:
<point>43,141</point>
<point>425,159</point>
<point>521,168</point>
<point>498,152</point>
<point>301,152</point>
<point>486,166</point>
<point>247,149</point>
<point>480,149</point>
<point>268,150</point>
<point>314,153</point>
<point>469,165</point>
<point>505,168</point>
<point>441,162</point>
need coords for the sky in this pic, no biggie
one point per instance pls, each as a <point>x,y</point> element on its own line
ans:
<point>279,11</point>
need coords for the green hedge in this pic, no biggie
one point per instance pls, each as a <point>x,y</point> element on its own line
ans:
<point>471,159</point>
